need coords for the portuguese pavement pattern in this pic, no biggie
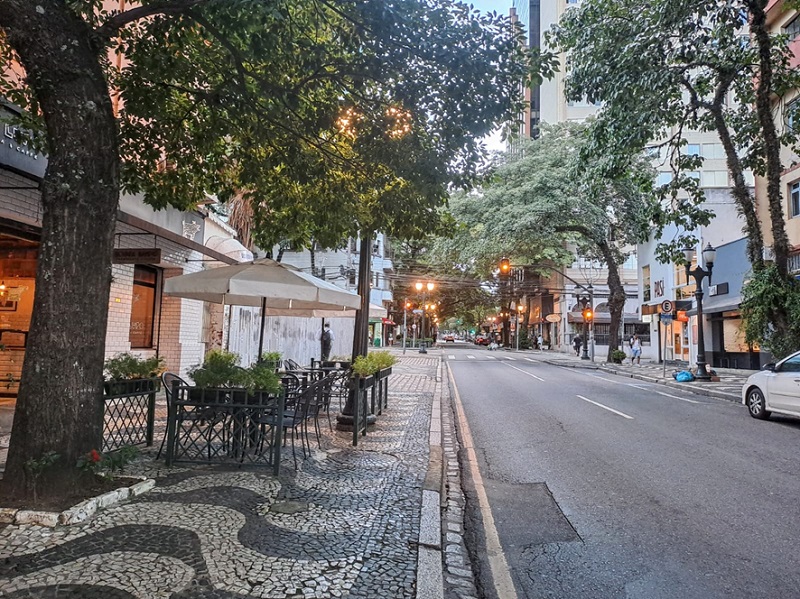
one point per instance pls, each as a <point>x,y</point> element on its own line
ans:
<point>344,524</point>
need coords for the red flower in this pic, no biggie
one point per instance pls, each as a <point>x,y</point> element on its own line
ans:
<point>95,456</point>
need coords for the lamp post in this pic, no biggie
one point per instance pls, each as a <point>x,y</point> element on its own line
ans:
<point>585,311</point>
<point>406,306</point>
<point>698,274</point>
<point>520,308</point>
<point>423,288</point>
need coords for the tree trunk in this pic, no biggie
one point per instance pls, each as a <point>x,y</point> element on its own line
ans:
<point>772,145</point>
<point>616,297</point>
<point>60,402</point>
<point>741,195</point>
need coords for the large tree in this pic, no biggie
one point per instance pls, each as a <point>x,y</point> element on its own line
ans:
<point>260,97</point>
<point>662,67</point>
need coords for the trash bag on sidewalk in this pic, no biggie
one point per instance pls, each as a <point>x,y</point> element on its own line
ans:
<point>683,376</point>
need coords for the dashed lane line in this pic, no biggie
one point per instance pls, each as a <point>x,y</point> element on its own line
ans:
<point>470,357</point>
<point>510,358</point>
<point>490,358</point>
<point>451,357</point>
<point>599,405</point>
<point>529,359</point>
<point>676,397</point>
<point>530,374</point>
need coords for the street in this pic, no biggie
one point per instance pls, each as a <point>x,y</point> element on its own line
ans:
<point>604,487</point>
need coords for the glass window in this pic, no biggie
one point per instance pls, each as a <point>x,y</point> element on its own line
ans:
<point>790,115</point>
<point>143,306</point>
<point>664,178</point>
<point>693,150</point>
<point>794,199</point>
<point>713,151</point>
<point>791,365</point>
<point>714,179</point>
<point>792,29</point>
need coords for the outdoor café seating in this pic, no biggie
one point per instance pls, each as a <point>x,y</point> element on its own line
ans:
<point>234,425</point>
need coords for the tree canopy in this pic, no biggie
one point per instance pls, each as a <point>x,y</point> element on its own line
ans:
<point>330,116</point>
<point>663,67</point>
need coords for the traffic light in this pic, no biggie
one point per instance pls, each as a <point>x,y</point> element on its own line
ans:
<point>505,266</point>
<point>408,305</point>
<point>588,314</point>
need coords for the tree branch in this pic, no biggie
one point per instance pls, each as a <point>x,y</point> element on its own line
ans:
<point>110,28</point>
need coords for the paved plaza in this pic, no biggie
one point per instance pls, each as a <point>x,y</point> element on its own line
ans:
<point>346,523</point>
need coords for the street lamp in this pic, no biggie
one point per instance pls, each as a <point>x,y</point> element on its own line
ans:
<point>423,288</point>
<point>698,274</point>
<point>520,309</point>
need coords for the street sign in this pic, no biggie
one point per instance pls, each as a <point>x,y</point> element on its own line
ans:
<point>666,306</point>
<point>666,317</point>
<point>414,326</point>
<point>418,311</point>
<point>553,318</point>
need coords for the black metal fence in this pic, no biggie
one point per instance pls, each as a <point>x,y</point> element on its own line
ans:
<point>361,387</point>
<point>129,413</point>
<point>225,426</point>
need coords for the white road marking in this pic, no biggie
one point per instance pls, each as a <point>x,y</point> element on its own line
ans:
<point>470,357</point>
<point>538,378</point>
<point>490,358</point>
<point>676,397</point>
<point>451,357</point>
<point>498,566</point>
<point>510,358</point>
<point>599,405</point>
<point>638,386</point>
<point>530,359</point>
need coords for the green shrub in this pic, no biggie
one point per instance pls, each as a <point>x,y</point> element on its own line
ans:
<point>382,359</point>
<point>618,356</point>
<point>261,376</point>
<point>126,366</point>
<point>363,366</point>
<point>219,369</point>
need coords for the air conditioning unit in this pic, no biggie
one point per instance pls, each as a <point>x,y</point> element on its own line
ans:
<point>768,254</point>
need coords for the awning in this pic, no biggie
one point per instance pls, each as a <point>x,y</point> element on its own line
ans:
<point>388,321</point>
<point>714,305</point>
<point>376,313</point>
<point>229,247</point>
<point>602,318</point>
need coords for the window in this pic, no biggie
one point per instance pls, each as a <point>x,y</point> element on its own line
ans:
<point>794,199</point>
<point>714,179</point>
<point>143,306</point>
<point>790,114</point>
<point>713,151</point>
<point>792,28</point>
<point>791,365</point>
<point>693,150</point>
<point>646,283</point>
<point>664,178</point>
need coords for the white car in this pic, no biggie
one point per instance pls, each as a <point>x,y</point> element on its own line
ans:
<point>776,388</point>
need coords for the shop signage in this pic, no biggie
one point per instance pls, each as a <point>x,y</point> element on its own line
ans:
<point>718,289</point>
<point>136,256</point>
<point>658,288</point>
<point>553,318</point>
<point>18,156</point>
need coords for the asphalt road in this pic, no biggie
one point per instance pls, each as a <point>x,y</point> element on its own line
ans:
<point>603,487</point>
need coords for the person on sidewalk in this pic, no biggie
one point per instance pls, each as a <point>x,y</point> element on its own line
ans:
<point>326,338</point>
<point>636,350</point>
<point>540,341</point>
<point>576,343</point>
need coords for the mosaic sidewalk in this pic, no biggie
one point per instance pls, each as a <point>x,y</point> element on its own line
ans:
<point>345,524</point>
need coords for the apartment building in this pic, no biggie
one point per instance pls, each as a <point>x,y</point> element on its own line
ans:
<point>655,282</point>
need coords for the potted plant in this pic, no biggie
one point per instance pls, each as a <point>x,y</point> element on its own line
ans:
<point>219,370</point>
<point>363,369</point>
<point>261,376</point>
<point>383,362</point>
<point>272,359</point>
<point>617,356</point>
<point>125,367</point>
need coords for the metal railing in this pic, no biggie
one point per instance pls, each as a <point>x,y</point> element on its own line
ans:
<point>225,426</point>
<point>129,413</point>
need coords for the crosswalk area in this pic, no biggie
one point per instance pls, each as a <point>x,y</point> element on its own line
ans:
<point>487,357</point>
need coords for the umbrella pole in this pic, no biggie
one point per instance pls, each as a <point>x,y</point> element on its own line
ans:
<point>261,331</point>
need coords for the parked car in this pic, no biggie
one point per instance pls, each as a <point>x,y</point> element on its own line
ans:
<point>776,388</point>
<point>450,338</point>
<point>481,340</point>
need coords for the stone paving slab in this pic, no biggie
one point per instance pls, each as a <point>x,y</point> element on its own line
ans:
<point>345,524</point>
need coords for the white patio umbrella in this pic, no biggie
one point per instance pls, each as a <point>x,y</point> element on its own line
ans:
<point>278,289</point>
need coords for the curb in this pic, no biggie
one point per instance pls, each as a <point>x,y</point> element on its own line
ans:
<point>430,572</point>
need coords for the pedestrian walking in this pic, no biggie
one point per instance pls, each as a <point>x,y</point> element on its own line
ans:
<point>540,341</point>
<point>326,340</point>
<point>576,343</point>
<point>636,350</point>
